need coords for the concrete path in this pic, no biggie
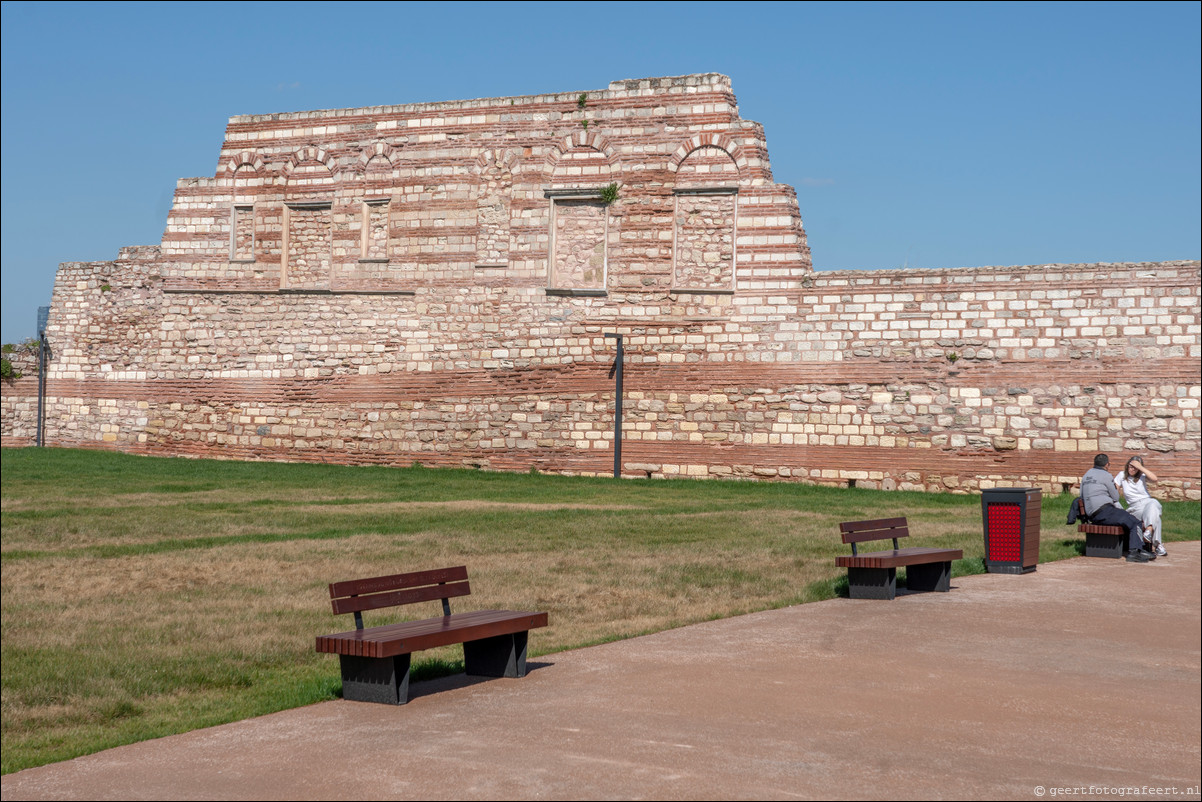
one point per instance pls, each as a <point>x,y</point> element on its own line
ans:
<point>1084,675</point>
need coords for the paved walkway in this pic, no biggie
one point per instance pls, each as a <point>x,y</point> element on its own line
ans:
<point>1083,674</point>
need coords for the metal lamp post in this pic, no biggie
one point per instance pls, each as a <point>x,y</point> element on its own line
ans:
<point>43,317</point>
<point>617,370</point>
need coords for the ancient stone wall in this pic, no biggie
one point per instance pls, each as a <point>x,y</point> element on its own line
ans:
<point>434,283</point>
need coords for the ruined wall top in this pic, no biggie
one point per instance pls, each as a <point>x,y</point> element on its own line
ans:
<point>631,87</point>
<point>651,187</point>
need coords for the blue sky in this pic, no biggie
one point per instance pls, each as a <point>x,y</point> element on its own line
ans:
<point>916,134</point>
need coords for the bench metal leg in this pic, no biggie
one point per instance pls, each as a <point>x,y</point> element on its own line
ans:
<point>375,679</point>
<point>1098,544</point>
<point>931,576</point>
<point>501,656</point>
<point>872,583</point>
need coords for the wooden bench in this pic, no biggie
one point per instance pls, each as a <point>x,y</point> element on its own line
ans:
<point>874,575</point>
<point>375,661</point>
<point>1104,541</point>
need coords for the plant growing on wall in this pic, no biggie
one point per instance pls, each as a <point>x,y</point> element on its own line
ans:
<point>609,193</point>
<point>582,101</point>
<point>28,346</point>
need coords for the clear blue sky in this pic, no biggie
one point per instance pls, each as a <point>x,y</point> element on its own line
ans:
<point>916,134</point>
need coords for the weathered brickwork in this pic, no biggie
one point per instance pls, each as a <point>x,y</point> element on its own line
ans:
<point>434,283</point>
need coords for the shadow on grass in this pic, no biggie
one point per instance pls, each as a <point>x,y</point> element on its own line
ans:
<point>1073,544</point>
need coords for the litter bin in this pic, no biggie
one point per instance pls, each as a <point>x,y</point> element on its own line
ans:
<point>1010,516</point>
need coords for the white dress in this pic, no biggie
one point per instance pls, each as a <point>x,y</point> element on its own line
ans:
<point>1139,502</point>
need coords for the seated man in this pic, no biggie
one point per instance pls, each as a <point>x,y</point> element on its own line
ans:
<point>1100,498</point>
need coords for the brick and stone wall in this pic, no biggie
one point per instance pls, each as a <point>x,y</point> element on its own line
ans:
<point>434,283</point>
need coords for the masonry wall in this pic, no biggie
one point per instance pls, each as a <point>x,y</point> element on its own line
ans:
<point>457,312</point>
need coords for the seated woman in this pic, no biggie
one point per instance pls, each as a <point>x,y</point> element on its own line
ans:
<point>1132,484</point>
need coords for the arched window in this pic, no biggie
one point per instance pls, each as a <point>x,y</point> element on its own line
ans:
<point>493,209</point>
<point>705,230</point>
<point>377,184</point>
<point>578,263</point>
<point>308,250</point>
<point>246,171</point>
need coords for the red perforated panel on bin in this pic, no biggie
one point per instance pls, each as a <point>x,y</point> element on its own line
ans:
<point>1005,532</point>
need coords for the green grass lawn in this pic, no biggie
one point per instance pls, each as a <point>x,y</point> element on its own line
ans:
<point>146,596</point>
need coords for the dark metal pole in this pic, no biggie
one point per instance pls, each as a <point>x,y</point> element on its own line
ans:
<point>43,315</point>
<point>617,407</point>
<point>41,385</point>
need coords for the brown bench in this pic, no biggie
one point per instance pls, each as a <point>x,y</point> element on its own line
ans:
<point>874,575</point>
<point>1104,541</point>
<point>375,661</point>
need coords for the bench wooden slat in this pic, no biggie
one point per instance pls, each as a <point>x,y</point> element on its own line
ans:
<point>426,626</point>
<point>882,523</point>
<point>883,529</point>
<point>898,558</point>
<point>514,622</point>
<point>380,584</point>
<point>376,601</point>
<point>1101,529</point>
<point>412,636</point>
